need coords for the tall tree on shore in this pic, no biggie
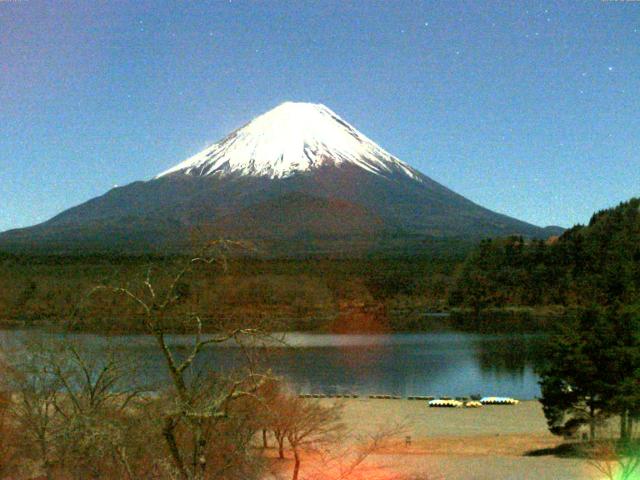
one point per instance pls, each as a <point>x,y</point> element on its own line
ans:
<point>573,381</point>
<point>593,371</point>
<point>625,369</point>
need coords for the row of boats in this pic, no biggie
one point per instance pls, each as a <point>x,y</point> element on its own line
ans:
<point>453,403</point>
<point>432,401</point>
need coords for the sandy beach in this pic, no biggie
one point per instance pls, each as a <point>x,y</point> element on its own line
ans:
<point>492,442</point>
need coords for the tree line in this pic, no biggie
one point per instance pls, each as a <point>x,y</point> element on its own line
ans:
<point>320,294</point>
<point>595,263</point>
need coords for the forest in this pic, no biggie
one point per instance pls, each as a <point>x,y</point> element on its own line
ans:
<point>322,294</point>
<point>598,263</point>
<point>497,285</point>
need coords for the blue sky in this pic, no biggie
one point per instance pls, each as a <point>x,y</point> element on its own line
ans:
<point>530,109</point>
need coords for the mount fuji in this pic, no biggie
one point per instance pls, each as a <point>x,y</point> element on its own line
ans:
<point>298,179</point>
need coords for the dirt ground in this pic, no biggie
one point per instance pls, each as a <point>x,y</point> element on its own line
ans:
<point>423,422</point>
<point>489,443</point>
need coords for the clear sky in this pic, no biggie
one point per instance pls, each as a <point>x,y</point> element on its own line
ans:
<point>530,109</point>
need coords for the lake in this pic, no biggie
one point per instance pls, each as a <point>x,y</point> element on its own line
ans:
<point>430,364</point>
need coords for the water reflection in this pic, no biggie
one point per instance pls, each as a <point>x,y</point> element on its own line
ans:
<point>401,364</point>
<point>510,354</point>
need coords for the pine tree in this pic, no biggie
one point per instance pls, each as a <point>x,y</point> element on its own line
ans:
<point>575,385</point>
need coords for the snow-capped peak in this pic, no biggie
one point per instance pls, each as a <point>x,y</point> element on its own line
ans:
<point>291,138</point>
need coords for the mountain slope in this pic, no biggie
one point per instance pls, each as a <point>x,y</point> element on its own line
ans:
<point>298,173</point>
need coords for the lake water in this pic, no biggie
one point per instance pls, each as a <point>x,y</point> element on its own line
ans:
<point>434,364</point>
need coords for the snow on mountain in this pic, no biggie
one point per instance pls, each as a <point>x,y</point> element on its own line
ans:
<point>291,138</point>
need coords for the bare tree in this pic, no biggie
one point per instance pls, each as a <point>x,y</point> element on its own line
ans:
<point>313,424</point>
<point>301,422</point>
<point>193,408</point>
<point>275,413</point>
<point>7,429</point>
<point>96,393</point>
<point>314,428</point>
<point>34,411</point>
<point>349,456</point>
<point>268,415</point>
<point>69,411</point>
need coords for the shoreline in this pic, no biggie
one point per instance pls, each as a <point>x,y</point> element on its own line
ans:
<point>418,318</point>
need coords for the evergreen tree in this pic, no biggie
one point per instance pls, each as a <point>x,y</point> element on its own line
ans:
<point>574,384</point>
<point>624,370</point>
<point>598,263</point>
<point>593,371</point>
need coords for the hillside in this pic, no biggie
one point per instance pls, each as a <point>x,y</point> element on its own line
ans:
<point>595,263</point>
